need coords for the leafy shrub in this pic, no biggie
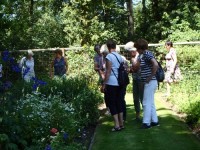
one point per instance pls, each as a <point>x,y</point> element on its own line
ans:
<point>193,117</point>
<point>26,117</point>
<point>67,105</point>
<point>83,96</point>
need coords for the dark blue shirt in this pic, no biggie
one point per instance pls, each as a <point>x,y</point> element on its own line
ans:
<point>59,67</point>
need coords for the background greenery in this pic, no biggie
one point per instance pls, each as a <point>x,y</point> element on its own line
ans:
<point>62,23</point>
<point>28,24</point>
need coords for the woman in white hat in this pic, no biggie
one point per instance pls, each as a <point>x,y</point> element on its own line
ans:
<point>27,65</point>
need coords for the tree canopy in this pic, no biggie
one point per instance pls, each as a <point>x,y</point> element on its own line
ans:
<point>61,23</point>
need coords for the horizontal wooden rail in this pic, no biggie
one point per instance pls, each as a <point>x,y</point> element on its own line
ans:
<point>79,48</point>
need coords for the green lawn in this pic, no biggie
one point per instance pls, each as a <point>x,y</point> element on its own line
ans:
<point>172,134</point>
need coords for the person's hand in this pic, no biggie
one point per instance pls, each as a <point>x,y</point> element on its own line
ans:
<point>148,79</point>
<point>103,87</point>
<point>103,76</point>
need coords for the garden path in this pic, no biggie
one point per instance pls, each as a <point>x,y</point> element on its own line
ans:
<point>172,134</point>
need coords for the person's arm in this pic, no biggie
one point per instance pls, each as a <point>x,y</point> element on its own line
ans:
<point>174,58</point>
<point>108,72</point>
<point>96,66</point>
<point>102,74</point>
<point>21,63</point>
<point>154,69</point>
<point>135,64</point>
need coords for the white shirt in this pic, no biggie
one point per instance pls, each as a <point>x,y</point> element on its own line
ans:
<point>27,63</point>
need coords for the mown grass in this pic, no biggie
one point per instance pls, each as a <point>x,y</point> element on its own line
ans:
<point>172,134</point>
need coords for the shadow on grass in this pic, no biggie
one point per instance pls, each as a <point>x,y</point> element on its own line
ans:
<point>171,134</point>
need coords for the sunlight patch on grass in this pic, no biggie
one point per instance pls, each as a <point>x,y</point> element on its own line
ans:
<point>171,134</point>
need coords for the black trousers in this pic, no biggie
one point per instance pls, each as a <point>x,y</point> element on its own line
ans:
<point>114,98</point>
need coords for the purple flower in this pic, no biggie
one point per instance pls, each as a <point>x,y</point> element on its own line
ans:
<point>5,56</point>
<point>65,136</point>
<point>35,86</point>
<point>48,147</point>
<point>37,83</point>
<point>7,85</point>
<point>16,68</point>
<point>11,60</point>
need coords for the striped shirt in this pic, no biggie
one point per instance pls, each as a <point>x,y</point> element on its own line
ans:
<point>146,65</point>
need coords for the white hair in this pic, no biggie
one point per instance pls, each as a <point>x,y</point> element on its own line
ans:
<point>130,46</point>
<point>104,49</point>
<point>30,52</point>
<point>117,49</point>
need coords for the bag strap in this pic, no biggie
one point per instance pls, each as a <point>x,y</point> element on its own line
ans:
<point>112,69</point>
<point>116,58</point>
<point>114,73</point>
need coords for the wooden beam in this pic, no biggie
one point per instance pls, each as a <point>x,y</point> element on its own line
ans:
<point>79,48</point>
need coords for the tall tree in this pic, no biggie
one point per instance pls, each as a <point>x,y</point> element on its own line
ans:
<point>130,19</point>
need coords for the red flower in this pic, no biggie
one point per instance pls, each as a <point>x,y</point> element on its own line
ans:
<point>53,131</point>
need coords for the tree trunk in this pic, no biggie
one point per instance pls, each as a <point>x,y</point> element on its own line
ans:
<point>31,21</point>
<point>144,18</point>
<point>31,10</point>
<point>144,10</point>
<point>130,19</point>
<point>155,8</point>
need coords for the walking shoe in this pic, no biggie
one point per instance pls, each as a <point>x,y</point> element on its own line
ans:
<point>154,124</point>
<point>116,129</point>
<point>145,126</point>
<point>122,127</point>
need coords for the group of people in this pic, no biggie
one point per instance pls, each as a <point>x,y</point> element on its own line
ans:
<point>59,66</point>
<point>143,67</point>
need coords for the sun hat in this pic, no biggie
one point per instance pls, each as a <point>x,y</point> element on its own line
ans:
<point>130,46</point>
<point>30,52</point>
<point>104,49</point>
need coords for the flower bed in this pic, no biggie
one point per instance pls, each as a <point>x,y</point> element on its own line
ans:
<point>49,114</point>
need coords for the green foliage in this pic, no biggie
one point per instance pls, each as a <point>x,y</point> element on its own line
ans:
<point>68,105</point>
<point>65,105</point>
<point>158,20</point>
<point>185,95</point>
<point>44,24</point>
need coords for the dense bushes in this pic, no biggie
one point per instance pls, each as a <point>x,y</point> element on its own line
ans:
<point>68,106</point>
